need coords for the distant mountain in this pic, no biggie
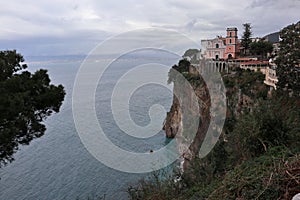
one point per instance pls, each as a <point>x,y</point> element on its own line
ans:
<point>272,37</point>
<point>58,58</point>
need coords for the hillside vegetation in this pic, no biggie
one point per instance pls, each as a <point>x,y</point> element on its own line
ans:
<point>257,155</point>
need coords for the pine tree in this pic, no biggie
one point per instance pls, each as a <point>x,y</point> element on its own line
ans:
<point>26,100</point>
<point>246,38</point>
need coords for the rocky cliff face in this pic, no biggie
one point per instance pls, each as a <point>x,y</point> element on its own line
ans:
<point>177,122</point>
<point>173,122</point>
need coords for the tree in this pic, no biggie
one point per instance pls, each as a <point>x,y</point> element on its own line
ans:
<point>191,52</point>
<point>192,55</point>
<point>182,67</point>
<point>261,48</point>
<point>288,60</point>
<point>246,38</point>
<point>26,100</point>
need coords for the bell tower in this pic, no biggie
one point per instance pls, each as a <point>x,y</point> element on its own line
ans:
<point>231,43</point>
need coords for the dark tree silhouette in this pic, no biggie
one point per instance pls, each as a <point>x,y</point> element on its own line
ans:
<point>246,38</point>
<point>26,100</point>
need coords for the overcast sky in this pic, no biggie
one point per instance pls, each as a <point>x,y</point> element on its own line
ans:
<point>56,27</point>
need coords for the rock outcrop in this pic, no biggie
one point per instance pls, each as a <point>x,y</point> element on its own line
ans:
<point>179,121</point>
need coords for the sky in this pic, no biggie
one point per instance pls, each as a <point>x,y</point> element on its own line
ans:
<point>72,27</point>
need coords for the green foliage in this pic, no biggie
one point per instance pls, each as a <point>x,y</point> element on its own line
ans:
<point>26,100</point>
<point>288,60</point>
<point>249,82</point>
<point>204,171</point>
<point>246,38</point>
<point>191,52</point>
<point>257,155</point>
<point>159,185</point>
<point>271,176</point>
<point>182,67</point>
<point>10,62</point>
<point>266,127</point>
<point>261,48</point>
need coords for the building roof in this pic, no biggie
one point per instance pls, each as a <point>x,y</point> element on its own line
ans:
<point>256,62</point>
<point>245,59</point>
<point>232,29</point>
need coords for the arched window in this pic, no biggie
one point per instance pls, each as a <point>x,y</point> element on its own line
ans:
<point>217,45</point>
<point>229,41</point>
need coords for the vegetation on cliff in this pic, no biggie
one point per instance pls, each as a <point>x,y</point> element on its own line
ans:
<point>288,60</point>
<point>258,153</point>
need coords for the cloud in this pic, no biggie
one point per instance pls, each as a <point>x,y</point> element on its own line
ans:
<point>70,23</point>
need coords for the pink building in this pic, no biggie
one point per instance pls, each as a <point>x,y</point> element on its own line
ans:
<point>231,43</point>
<point>220,47</point>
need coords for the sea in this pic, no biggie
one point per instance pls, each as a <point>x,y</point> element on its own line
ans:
<point>57,166</point>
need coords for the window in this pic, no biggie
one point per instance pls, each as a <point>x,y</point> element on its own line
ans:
<point>229,41</point>
<point>217,45</point>
<point>230,34</point>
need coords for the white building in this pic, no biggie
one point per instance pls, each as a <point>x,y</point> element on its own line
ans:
<point>214,48</point>
<point>271,78</point>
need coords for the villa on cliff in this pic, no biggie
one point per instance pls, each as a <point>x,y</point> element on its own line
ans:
<point>220,47</point>
<point>227,49</point>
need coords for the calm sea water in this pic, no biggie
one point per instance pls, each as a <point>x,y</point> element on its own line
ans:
<point>57,166</point>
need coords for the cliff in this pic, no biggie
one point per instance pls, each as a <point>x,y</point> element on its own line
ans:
<point>255,157</point>
<point>192,121</point>
<point>195,121</point>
